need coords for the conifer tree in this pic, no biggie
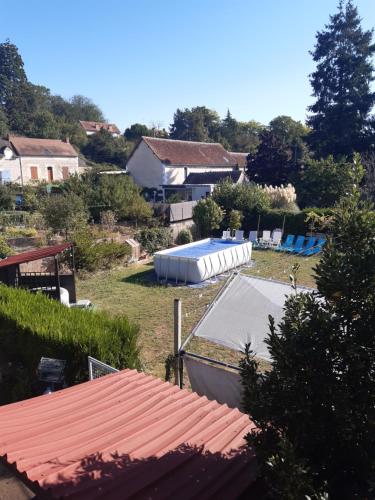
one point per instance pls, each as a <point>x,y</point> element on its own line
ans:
<point>340,120</point>
<point>315,408</point>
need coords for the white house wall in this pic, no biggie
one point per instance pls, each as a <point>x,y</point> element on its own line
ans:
<point>11,169</point>
<point>145,168</point>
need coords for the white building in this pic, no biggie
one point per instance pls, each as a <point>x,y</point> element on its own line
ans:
<point>93,127</point>
<point>159,163</point>
<point>24,160</point>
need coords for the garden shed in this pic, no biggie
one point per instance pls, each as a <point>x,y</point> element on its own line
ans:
<point>52,281</point>
<point>128,435</point>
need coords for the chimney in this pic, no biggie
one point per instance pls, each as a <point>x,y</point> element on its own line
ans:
<point>66,140</point>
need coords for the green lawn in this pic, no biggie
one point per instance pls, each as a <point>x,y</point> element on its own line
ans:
<point>134,291</point>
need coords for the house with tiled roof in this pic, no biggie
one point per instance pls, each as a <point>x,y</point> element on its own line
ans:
<point>24,160</point>
<point>159,163</point>
<point>93,127</point>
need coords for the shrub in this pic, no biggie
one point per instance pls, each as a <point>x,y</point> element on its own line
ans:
<point>184,237</point>
<point>64,212</point>
<point>235,220</point>
<point>153,239</point>
<point>207,216</point>
<point>33,325</point>
<point>91,255</point>
<point>249,199</point>
<point>16,232</point>
<point>5,249</point>
<point>314,408</point>
<point>281,196</point>
<point>108,219</point>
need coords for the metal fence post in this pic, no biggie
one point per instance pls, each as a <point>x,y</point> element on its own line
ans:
<point>177,339</point>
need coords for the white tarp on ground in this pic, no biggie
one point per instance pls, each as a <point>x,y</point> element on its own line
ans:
<point>240,314</point>
<point>213,382</point>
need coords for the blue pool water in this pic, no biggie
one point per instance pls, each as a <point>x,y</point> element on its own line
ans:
<point>202,249</point>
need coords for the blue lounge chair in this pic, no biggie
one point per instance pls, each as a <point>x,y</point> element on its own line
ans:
<point>288,243</point>
<point>316,249</point>
<point>298,245</point>
<point>311,242</point>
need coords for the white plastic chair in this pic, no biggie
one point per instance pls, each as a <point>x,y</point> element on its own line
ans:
<point>265,240</point>
<point>276,237</point>
<point>253,236</point>
<point>238,235</point>
<point>226,235</point>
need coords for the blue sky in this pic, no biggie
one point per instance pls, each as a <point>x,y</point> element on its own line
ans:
<point>139,60</point>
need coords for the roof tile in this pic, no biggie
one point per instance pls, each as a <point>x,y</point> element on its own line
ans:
<point>27,146</point>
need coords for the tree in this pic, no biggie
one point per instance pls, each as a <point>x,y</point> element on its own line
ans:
<point>198,124</point>
<point>136,131</point>
<point>281,151</point>
<point>64,213</point>
<point>207,216</point>
<point>322,183</point>
<point>12,73</point>
<point>340,119</point>
<point>102,147</point>
<point>239,136</point>
<point>247,199</point>
<point>83,108</point>
<point>4,127</point>
<point>315,407</point>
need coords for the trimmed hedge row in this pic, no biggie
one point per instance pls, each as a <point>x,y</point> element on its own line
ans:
<point>33,325</point>
<point>295,223</point>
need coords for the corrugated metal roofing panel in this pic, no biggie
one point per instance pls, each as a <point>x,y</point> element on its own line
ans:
<point>40,253</point>
<point>128,435</point>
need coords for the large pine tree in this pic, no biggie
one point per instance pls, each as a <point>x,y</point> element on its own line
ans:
<point>12,73</point>
<point>340,120</point>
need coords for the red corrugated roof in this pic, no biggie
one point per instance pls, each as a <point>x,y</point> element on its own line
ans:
<point>40,253</point>
<point>128,435</point>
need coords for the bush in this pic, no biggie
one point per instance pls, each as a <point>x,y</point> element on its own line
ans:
<point>23,232</point>
<point>184,237</point>
<point>207,216</point>
<point>91,255</point>
<point>5,249</point>
<point>33,325</point>
<point>235,220</point>
<point>153,239</point>
<point>283,197</point>
<point>64,212</point>
<point>249,199</point>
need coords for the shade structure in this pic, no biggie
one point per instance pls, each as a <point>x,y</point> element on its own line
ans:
<point>128,435</point>
<point>240,314</point>
<point>39,253</point>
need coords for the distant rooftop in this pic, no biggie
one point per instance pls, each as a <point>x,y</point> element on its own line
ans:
<point>175,152</point>
<point>240,158</point>
<point>27,146</point>
<point>97,126</point>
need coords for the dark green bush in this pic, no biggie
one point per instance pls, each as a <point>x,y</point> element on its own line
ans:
<point>153,239</point>
<point>184,237</point>
<point>35,325</point>
<point>91,255</point>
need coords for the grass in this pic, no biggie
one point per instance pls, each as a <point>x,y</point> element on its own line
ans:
<point>134,291</point>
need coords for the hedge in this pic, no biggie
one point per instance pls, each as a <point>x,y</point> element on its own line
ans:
<point>33,325</point>
<point>295,223</point>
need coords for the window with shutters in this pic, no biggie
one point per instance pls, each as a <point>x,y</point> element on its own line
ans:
<point>65,172</point>
<point>34,173</point>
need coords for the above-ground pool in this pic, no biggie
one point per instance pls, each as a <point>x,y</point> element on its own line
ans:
<point>198,261</point>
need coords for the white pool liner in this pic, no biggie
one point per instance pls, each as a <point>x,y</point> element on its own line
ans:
<point>195,269</point>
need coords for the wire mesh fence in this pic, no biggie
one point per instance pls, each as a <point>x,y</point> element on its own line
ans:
<point>99,369</point>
